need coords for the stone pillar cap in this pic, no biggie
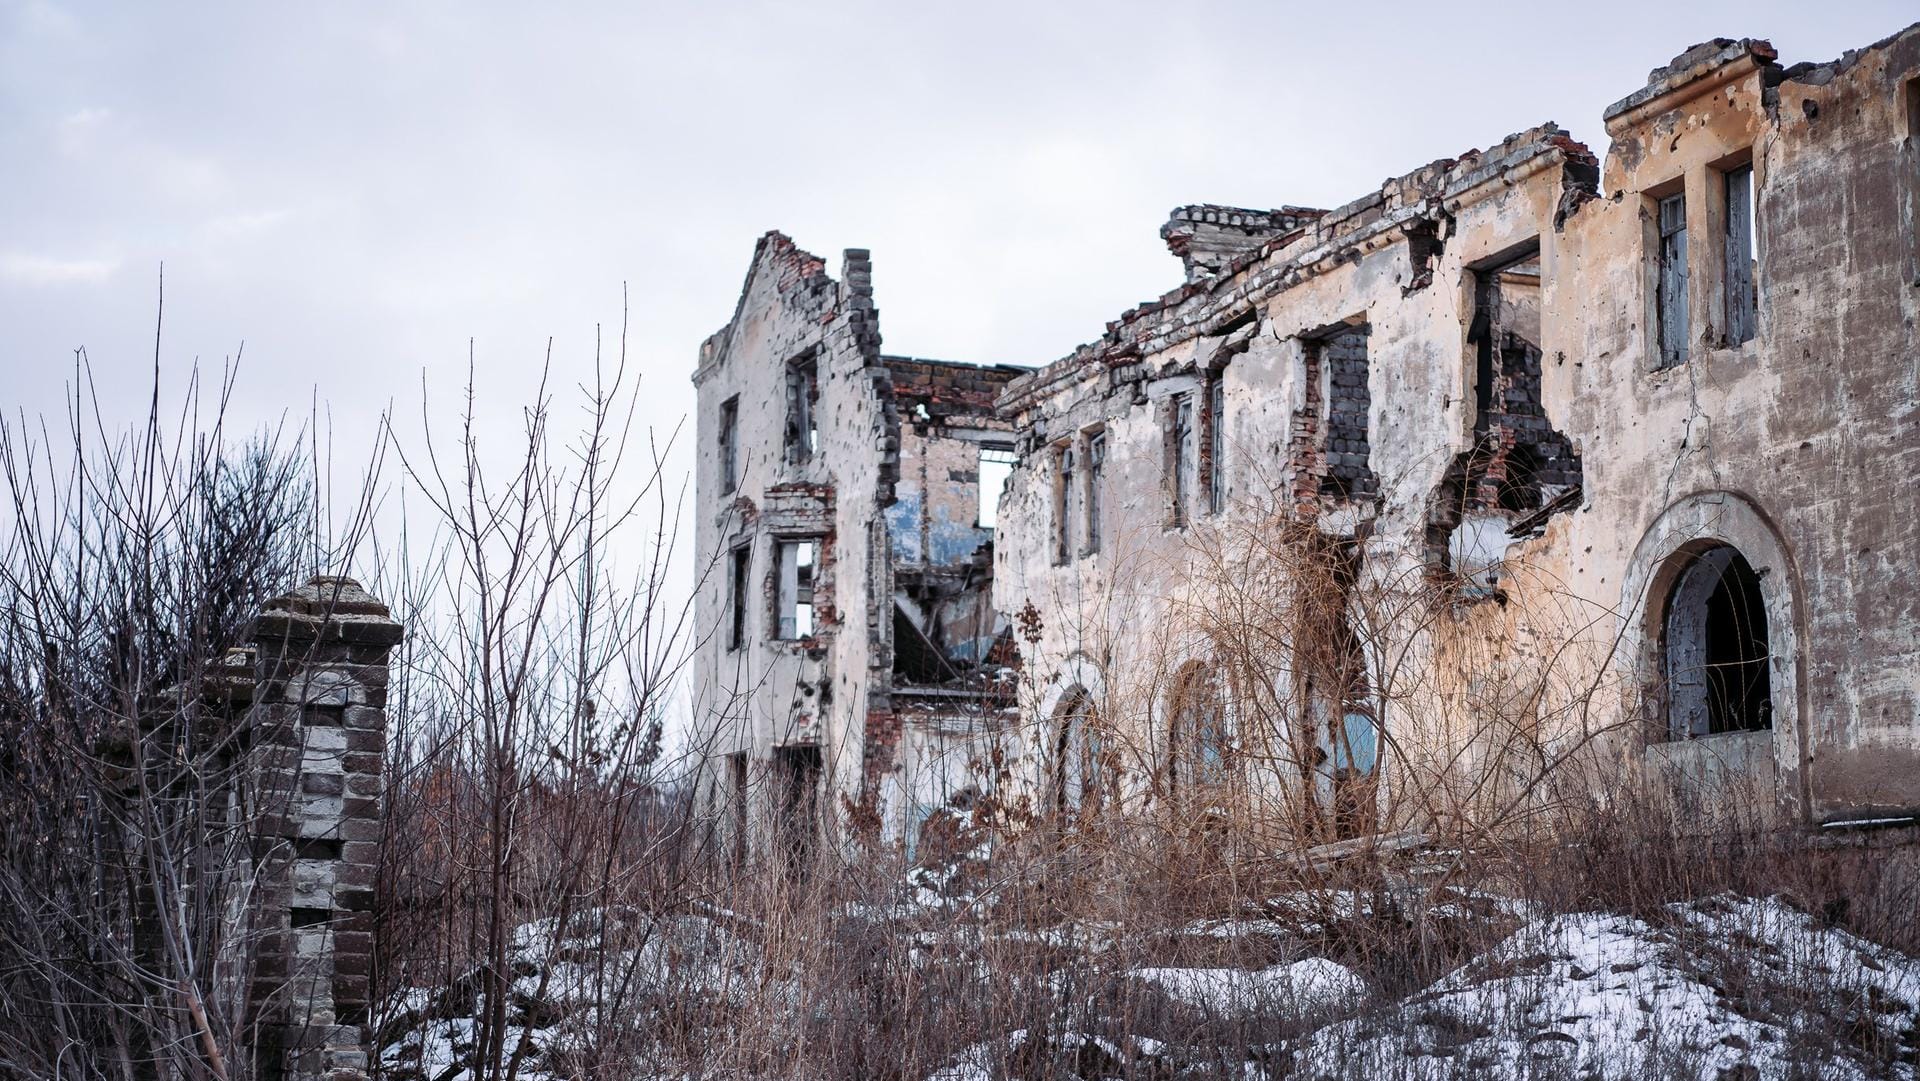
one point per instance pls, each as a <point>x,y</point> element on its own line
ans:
<point>329,600</point>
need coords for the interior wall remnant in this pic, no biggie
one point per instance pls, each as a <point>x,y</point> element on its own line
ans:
<point>1349,473</point>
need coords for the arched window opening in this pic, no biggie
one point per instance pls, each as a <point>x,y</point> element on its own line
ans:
<point>1078,769</point>
<point>1198,741</point>
<point>1714,652</point>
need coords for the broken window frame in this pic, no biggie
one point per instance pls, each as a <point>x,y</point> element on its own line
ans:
<point>802,435</point>
<point>1095,472</point>
<point>730,444</point>
<point>1672,318</point>
<point>739,577</point>
<point>1741,248</point>
<point>1063,502</point>
<point>795,580</point>
<point>1216,443</point>
<point>987,506</point>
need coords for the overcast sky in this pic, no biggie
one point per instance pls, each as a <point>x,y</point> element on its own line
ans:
<point>356,190</point>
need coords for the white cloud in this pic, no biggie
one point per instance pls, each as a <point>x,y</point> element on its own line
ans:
<point>76,131</point>
<point>23,268</point>
<point>238,225</point>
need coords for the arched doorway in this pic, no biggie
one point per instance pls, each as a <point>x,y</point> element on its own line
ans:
<point>1715,659</point>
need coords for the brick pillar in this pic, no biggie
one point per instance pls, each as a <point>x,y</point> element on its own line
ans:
<point>320,706</point>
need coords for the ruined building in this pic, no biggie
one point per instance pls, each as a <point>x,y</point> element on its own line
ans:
<point>1618,451</point>
<point>851,659</point>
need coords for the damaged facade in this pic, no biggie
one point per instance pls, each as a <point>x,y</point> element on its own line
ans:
<point>1624,448</point>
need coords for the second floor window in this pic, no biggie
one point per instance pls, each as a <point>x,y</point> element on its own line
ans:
<point>1671,298</point>
<point>1216,444</point>
<point>739,566</point>
<point>995,466</point>
<point>1063,503</point>
<point>1096,469</point>
<point>793,591</point>
<point>730,444</point>
<point>1742,254</point>
<point>1180,458</point>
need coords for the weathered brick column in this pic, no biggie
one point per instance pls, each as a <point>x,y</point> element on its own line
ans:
<point>320,706</point>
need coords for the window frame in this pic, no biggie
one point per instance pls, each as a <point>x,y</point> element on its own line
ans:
<point>804,587</point>
<point>1093,499</point>
<point>1672,278</point>
<point>1740,253</point>
<point>1063,466</point>
<point>1180,465</point>
<point>1216,444</point>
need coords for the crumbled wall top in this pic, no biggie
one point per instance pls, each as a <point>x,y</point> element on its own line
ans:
<point>1207,236</point>
<point>1212,304</point>
<point>1693,71</point>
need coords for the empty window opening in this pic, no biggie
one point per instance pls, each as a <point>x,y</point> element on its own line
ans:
<point>1063,503</point>
<point>730,443</point>
<point>1198,743</point>
<point>1078,764</point>
<point>797,805</point>
<point>1344,729</point>
<point>1343,356</point>
<point>1519,471</point>
<point>1216,444</point>
<point>803,394</point>
<point>1096,482</point>
<point>793,593</point>
<point>1715,656</point>
<point>995,466</point>
<point>1671,294</point>
<point>1179,467</point>
<point>739,565</point>
<point>1743,253</point>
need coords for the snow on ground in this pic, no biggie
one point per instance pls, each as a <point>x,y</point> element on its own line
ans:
<point>1726,989</point>
<point>1311,985</point>
<point>1721,994</point>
